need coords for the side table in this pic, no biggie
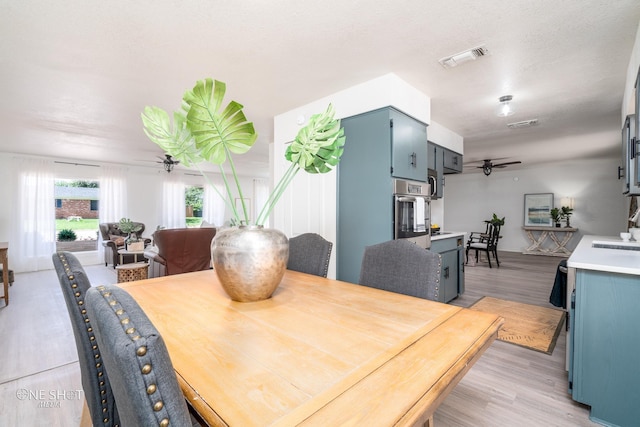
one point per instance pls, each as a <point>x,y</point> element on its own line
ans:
<point>123,252</point>
<point>538,246</point>
<point>132,272</point>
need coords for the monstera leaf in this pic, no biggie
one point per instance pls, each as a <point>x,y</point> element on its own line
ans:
<point>205,130</point>
<point>319,145</point>
<point>177,140</point>
<point>217,132</point>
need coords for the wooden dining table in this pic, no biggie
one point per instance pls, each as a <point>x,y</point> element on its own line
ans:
<point>319,352</point>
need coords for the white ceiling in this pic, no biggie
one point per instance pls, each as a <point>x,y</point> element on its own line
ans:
<point>76,74</point>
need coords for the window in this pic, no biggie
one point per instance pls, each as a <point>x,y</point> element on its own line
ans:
<point>76,215</point>
<point>193,197</point>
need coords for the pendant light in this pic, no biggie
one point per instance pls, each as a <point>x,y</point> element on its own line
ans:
<point>505,106</point>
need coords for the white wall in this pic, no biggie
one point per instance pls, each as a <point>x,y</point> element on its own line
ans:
<point>599,206</point>
<point>144,193</point>
<point>628,101</point>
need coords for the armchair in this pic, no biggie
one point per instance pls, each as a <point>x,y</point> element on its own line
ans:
<point>113,240</point>
<point>180,250</point>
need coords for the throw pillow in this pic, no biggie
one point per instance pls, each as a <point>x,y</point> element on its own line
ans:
<point>118,240</point>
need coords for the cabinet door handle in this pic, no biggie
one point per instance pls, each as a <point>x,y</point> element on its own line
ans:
<point>620,169</point>
<point>412,159</point>
<point>446,272</point>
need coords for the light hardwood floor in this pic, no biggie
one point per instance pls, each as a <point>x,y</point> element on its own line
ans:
<point>508,386</point>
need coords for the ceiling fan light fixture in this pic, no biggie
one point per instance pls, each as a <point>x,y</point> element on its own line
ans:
<point>505,106</point>
<point>168,167</point>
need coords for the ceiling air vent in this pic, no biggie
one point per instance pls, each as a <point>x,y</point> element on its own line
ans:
<point>522,124</point>
<point>462,57</point>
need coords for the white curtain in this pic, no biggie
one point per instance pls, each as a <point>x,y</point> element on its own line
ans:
<point>213,206</point>
<point>173,203</point>
<point>34,228</point>
<point>113,197</point>
<point>260,195</point>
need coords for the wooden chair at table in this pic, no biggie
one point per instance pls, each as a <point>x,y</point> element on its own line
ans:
<point>309,253</point>
<point>485,242</point>
<point>144,382</point>
<point>403,267</point>
<point>95,382</point>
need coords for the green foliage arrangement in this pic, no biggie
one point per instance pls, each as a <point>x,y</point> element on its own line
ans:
<point>566,212</point>
<point>203,130</point>
<point>129,227</point>
<point>497,221</point>
<point>67,235</point>
<point>555,215</point>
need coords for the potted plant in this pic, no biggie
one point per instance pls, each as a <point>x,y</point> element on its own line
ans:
<point>566,214</point>
<point>131,242</point>
<point>555,216</point>
<point>203,130</point>
<point>497,221</point>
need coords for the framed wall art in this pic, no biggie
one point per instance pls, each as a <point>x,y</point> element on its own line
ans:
<point>537,209</point>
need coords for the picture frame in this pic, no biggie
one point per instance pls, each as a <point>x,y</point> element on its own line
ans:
<point>537,208</point>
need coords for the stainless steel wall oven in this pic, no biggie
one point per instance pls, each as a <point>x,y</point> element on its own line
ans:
<point>412,212</point>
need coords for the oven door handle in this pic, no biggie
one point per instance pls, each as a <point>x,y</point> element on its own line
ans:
<point>433,184</point>
<point>405,199</point>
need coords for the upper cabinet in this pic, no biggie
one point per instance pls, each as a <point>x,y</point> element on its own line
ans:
<point>629,172</point>
<point>452,162</point>
<point>409,155</point>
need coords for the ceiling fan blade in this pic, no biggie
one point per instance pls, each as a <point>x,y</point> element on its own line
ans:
<point>501,165</point>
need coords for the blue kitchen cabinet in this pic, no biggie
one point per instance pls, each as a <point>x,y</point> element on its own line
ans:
<point>409,155</point>
<point>380,147</point>
<point>452,267</point>
<point>605,335</point>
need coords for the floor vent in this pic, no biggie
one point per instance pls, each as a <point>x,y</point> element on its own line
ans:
<point>462,57</point>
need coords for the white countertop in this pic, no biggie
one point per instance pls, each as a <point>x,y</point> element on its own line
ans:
<point>448,235</point>
<point>587,257</point>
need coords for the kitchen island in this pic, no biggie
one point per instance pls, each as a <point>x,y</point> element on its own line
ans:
<point>604,287</point>
<point>450,246</point>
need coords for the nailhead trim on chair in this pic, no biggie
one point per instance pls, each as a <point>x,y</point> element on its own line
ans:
<point>144,359</point>
<point>92,338</point>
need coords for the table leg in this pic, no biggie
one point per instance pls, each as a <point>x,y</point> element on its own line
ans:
<point>560,246</point>
<point>537,243</point>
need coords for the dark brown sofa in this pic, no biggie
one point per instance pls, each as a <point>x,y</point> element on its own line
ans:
<point>180,250</point>
<point>110,232</point>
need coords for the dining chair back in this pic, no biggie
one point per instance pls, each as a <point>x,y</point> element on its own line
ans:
<point>309,253</point>
<point>485,242</point>
<point>403,267</point>
<point>95,382</point>
<point>144,382</point>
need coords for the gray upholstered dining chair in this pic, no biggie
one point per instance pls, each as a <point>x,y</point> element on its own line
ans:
<point>144,382</point>
<point>95,382</point>
<point>309,253</point>
<point>403,267</point>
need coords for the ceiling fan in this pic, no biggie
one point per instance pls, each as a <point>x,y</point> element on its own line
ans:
<point>488,166</point>
<point>168,162</point>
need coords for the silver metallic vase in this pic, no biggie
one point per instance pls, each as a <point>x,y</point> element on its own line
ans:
<point>250,261</point>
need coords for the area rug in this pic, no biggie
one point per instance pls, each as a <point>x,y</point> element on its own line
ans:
<point>525,325</point>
